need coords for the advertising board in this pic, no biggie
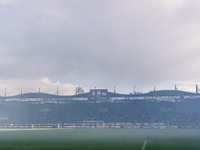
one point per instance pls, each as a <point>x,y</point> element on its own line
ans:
<point>191,96</point>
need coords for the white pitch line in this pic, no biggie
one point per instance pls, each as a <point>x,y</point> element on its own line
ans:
<point>144,145</point>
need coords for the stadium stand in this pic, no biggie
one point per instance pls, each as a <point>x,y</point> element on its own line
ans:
<point>100,108</point>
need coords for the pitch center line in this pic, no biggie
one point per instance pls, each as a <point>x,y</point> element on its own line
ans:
<point>144,145</point>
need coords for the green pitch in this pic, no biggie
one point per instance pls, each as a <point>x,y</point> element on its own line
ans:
<point>96,139</point>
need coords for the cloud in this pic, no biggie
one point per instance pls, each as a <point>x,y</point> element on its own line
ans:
<point>28,86</point>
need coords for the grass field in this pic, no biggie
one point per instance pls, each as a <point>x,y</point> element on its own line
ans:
<point>97,139</point>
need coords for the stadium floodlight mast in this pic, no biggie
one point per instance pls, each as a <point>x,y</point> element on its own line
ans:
<point>37,91</point>
<point>197,89</point>
<point>114,89</point>
<point>4,93</point>
<point>176,88</point>
<point>18,92</point>
<point>78,90</point>
<point>56,92</point>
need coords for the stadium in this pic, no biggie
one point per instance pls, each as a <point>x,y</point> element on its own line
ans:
<point>99,108</point>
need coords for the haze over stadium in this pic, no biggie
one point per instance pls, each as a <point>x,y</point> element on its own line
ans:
<point>103,43</point>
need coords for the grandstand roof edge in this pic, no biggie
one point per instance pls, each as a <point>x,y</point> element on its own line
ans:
<point>112,94</point>
<point>156,93</point>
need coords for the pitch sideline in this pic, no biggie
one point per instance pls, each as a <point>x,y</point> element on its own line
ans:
<point>144,145</point>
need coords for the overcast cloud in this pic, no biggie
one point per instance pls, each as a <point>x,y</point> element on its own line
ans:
<point>99,43</point>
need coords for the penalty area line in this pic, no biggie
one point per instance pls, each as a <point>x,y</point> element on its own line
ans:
<point>144,145</point>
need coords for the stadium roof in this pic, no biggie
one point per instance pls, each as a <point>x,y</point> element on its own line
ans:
<point>157,93</point>
<point>110,94</point>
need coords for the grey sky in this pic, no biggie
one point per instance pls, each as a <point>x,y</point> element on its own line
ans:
<point>99,43</point>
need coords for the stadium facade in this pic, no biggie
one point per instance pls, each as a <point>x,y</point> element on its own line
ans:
<point>100,108</point>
